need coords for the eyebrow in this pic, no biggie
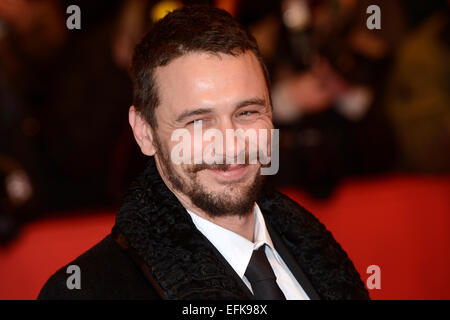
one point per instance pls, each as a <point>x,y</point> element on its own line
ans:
<point>190,113</point>
<point>252,101</point>
<point>202,111</point>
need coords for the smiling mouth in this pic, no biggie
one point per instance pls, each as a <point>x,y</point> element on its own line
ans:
<point>232,173</point>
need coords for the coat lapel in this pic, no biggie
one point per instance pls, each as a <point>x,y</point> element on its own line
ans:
<point>295,269</point>
<point>170,250</point>
<point>181,263</point>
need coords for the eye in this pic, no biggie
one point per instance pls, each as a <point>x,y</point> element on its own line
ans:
<point>247,113</point>
<point>198,121</point>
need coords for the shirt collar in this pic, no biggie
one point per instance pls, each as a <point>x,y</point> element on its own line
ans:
<point>236,249</point>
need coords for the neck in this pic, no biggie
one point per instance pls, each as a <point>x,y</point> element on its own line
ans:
<point>242,225</point>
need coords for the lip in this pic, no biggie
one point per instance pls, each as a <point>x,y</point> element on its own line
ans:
<point>233,173</point>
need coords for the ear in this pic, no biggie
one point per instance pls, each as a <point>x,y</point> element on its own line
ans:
<point>142,132</point>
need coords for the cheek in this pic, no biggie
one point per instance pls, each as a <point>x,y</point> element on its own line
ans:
<point>186,146</point>
<point>185,175</point>
<point>264,130</point>
<point>204,179</point>
<point>266,135</point>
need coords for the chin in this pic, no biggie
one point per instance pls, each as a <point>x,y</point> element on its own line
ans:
<point>230,190</point>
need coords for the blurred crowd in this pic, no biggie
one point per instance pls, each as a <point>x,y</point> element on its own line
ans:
<point>348,100</point>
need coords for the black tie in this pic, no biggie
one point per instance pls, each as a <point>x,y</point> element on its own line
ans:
<point>260,275</point>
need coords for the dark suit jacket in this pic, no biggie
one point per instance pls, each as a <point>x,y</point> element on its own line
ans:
<point>156,252</point>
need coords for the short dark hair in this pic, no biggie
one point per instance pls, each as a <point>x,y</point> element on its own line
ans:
<point>189,29</point>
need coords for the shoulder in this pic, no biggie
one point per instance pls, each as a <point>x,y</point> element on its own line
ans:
<point>106,272</point>
<point>323,260</point>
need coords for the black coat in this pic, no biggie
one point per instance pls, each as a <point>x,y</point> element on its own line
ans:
<point>156,252</point>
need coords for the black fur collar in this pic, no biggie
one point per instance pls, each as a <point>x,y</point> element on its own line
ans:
<point>182,264</point>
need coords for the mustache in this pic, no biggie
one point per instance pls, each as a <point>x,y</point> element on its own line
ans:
<point>223,165</point>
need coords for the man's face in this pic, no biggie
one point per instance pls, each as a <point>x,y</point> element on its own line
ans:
<point>217,92</point>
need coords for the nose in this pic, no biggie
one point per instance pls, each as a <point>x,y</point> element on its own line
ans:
<point>234,142</point>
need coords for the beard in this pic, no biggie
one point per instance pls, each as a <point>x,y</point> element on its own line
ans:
<point>236,200</point>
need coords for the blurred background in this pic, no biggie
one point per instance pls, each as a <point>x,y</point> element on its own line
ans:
<point>364,120</point>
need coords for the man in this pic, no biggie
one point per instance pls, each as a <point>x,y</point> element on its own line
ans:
<point>206,229</point>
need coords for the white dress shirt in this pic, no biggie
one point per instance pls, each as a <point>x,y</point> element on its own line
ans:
<point>238,250</point>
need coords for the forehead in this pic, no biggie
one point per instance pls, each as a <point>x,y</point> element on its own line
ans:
<point>203,79</point>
